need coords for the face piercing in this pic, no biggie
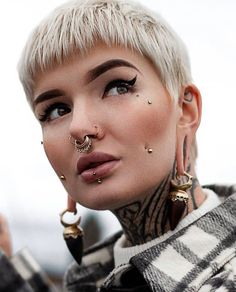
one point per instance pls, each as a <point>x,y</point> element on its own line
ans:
<point>62,177</point>
<point>94,173</point>
<point>149,150</point>
<point>99,181</point>
<point>149,102</point>
<point>41,142</point>
<point>84,146</point>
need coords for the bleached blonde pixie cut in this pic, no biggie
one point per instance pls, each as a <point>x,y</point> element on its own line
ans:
<point>76,26</point>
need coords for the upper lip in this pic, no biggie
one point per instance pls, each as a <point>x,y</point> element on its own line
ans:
<point>90,160</point>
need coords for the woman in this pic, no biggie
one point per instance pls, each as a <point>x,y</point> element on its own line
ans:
<point>111,86</point>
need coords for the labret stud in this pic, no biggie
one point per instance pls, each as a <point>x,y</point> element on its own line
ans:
<point>99,181</point>
<point>94,173</point>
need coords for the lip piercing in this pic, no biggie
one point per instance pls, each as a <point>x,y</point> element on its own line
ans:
<point>94,173</point>
<point>84,146</point>
<point>99,181</point>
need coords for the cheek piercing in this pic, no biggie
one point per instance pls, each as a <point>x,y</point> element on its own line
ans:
<point>99,181</point>
<point>149,101</point>
<point>149,150</point>
<point>62,177</point>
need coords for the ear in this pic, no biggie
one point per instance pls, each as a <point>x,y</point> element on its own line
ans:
<point>190,108</point>
<point>71,205</point>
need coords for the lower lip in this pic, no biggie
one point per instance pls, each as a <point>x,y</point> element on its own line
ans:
<point>101,171</point>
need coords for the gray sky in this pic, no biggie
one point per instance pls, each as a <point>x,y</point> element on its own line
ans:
<point>30,192</point>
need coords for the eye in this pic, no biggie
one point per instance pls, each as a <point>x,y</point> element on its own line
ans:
<point>119,86</point>
<point>54,111</point>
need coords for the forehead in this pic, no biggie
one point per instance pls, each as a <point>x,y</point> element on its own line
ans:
<point>97,60</point>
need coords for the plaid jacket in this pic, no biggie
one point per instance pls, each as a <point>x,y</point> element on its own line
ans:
<point>200,257</point>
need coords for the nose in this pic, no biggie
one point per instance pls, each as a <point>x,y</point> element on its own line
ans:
<point>83,123</point>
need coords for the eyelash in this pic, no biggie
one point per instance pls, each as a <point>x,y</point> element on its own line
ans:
<point>48,110</point>
<point>128,84</point>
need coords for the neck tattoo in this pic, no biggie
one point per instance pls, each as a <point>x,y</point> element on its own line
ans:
<point>145,220</point>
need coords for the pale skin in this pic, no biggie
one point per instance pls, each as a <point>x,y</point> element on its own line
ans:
<point>5,239</point>
<point>81,98</point>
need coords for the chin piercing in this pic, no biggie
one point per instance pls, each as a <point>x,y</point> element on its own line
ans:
<point>149,101</point>
<point>84,146</point>
<point>99,181</point>
<point>62,177</point>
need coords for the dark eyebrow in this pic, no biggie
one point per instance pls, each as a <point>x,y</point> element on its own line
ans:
<point>108,65</point>
<point>47,95</point>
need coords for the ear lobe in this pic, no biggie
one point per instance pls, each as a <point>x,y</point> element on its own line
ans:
<point>189,120</point>
<point>71,204</point>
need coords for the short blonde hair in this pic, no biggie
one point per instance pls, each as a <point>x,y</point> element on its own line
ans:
<point>76,26</point>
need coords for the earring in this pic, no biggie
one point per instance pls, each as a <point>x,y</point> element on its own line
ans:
<point>178,199</point>
<point>73,235</point>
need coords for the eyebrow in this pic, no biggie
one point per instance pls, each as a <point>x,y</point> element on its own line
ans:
<point>91,75</point>
<point>47,95</point>
<point>108,65</point>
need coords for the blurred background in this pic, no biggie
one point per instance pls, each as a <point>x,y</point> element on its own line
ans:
<point>31,196</point>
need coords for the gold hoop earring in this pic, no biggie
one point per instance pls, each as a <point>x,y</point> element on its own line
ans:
<point>84,146</point>
<point>73,235</point>
<point>178,198</point>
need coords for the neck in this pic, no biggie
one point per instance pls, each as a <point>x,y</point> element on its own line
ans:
<point>148,219</point>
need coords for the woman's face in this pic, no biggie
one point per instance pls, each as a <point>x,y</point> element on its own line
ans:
<point>117,93</point>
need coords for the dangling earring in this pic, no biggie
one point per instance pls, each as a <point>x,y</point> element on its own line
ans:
<point>73,235</point>
<point>178,199</point>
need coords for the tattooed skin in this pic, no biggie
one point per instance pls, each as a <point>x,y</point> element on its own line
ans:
<point>145,220</point>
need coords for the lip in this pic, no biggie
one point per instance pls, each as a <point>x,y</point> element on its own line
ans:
<point>98,162</point>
